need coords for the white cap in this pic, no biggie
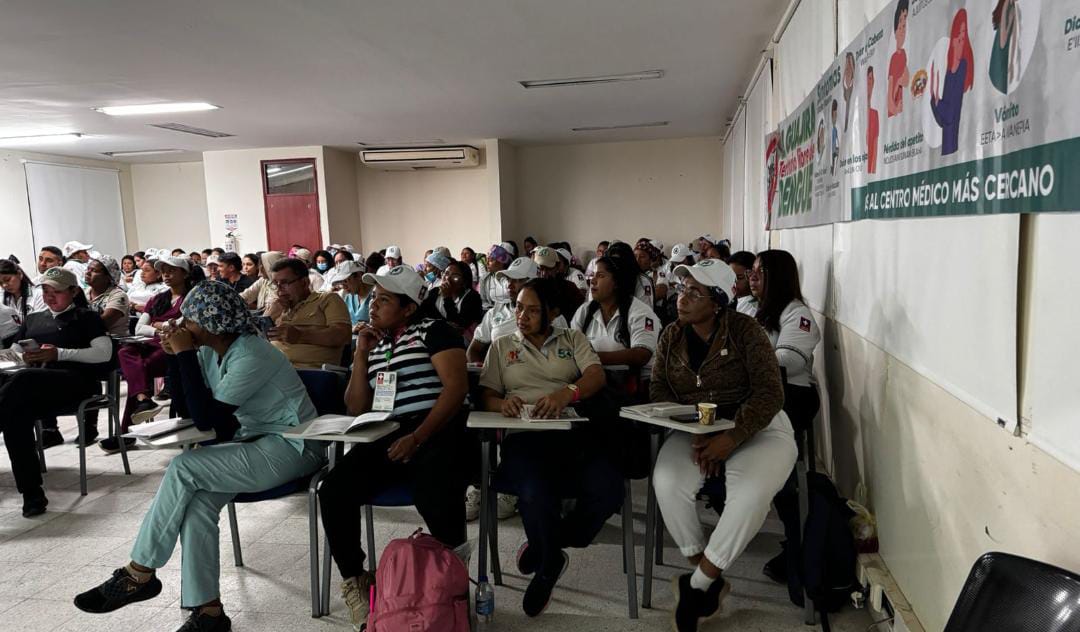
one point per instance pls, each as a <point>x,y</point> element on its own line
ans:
<point>213,260</point>
<point>508,247</point>
<point>72,247</point>
<point>344,270</point>
<point>151,254</point>
<point>349,247</point>
<point>710,273</point>
<point>659,245</point>
<point>709,238</point>
<point>399,280</point>
<point>444,251</point>
<point>545,256</point>
<point>176,262</point>
<point>393,252</point>
<point>520,268</point>
<point>565,254</point>
<point>679,253</point>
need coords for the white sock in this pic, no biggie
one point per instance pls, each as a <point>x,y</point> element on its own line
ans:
<point>700,581</point>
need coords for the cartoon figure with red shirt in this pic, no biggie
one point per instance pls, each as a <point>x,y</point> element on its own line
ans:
<point>898,70</point>
<point>873,126</point>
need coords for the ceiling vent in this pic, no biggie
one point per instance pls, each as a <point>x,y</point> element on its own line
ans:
<point>412,159</point>
<point>188,129</point>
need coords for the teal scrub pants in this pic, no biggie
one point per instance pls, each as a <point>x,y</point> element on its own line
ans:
<point>197,485</point>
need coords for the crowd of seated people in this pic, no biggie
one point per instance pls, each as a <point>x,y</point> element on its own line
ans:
<point>224,335</point>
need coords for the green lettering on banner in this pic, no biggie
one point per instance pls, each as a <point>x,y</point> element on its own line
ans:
<point>1037,179</point>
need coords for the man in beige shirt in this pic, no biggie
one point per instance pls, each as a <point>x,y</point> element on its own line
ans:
<point>313,327</point>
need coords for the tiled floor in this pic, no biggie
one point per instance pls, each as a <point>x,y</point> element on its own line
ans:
<point>45,561</point>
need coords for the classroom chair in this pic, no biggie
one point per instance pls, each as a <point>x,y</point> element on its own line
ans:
<point>1008,592</point>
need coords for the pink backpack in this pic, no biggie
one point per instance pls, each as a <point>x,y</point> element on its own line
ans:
<point>420,586</point>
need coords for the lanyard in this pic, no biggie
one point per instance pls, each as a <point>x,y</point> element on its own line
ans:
<point>389,355</point>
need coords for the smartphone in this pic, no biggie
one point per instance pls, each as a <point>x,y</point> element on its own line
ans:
<point>29,345</point>
<point>686,417</point>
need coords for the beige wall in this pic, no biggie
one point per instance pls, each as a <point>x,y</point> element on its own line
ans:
<point>418,210</point>
<point>342,202</point>
<point>16,236</point>
<point>234,185</point>
<point>170,205</point>
<point>665,189</point>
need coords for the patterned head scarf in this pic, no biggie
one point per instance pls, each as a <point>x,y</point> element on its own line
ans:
<point>111,266</point>
<point>218,309</point>
<point>500,254</point>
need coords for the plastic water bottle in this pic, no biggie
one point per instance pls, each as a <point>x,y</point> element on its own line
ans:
<point>485,601</point>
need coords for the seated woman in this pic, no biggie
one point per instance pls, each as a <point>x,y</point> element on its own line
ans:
<point>105,296</point>
<point>715,355</point>
<point>234,382</point>
<point>74,354</point>
<point>262,295</point>
<point>324,261</point>
<point>348,276</point>
<point>621,327</point>
<point>16,295</point>
<point>128,272</point>
<point>454,300</point>
<point>249,266</point>
<point>150,286</point>
<point>492,290</point>
<point>141,362</point>
<point>550,369</point>
<point>426,360</point>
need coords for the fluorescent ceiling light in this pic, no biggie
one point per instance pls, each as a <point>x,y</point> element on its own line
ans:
<point>598,128</point>
<point>142,152</point>
<point>155,108</point>
<point>40,139</point>
<point>400,143</point>
<point>287,172</point>
<point>591,81</point>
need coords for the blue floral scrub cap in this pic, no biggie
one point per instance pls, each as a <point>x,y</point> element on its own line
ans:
<point>218,309</point>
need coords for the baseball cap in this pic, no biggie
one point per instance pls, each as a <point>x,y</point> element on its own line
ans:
<point>58,278</point>
<point>565,254</point>
<point>183,263</point>
<point>344,270</point>
<point>710,273</point>
<point>545,257</point>
<point>72,247</point>
<point>679,253</point>
<point>399,280</point>
<point>659,245</point>
<point>439,260</point>
<point>303,254</point>
<point>508,247</point>
<point>444,251</point>
<point>521,268</point>
<point>214,260</point>
<point>393,252</point>
<point>709,238</point>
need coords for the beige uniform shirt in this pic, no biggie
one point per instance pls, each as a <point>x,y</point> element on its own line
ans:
<point>318,310</point>
<point>515,367</point>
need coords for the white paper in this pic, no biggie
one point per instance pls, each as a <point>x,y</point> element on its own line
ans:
<point>342,424</point>
<point>568,414</point>
<point>152,429</point>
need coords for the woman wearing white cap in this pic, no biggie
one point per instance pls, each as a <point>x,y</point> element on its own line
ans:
<point>105,297</point>
<point>392,259</point>
<point>76,256</point>
<point>413,368</point>
<point>151,286</point>
<point>716,355</point>
<point>349,276</point>
<point>71,355</point>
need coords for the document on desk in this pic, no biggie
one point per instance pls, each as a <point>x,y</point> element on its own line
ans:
<point>154,429</point>
<point>568,414</point>
<point>10,359</point>
<point>343,424</point>
<point>662,409</point>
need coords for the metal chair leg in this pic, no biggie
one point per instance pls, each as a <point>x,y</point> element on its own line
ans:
<point>313,545</point>
<point>324,587</point>
<point>115,421</point>
<point>80,417</point>
<point>369,526</point>
<point>38,430</point>
<point>809,613</point>
<point>493,537</point>
<point>238,557</point>
<point>650,524</point>
<point>629,555</point>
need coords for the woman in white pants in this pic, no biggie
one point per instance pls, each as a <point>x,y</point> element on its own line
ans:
<point>716,355</point>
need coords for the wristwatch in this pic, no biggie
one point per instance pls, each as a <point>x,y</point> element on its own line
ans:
<point>575,390</point>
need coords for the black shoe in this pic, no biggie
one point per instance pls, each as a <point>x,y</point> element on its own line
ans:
<point>91,434</point>
<point>164,395</point>
<point>776,569</point>
<point>118,591</point>
<point>51,437</point>
<point>526,560</point>
<point>34,506</point>
<point>538,594</point>
<point>112,446</point>
<point>693,606</point>
<point>205,623</point>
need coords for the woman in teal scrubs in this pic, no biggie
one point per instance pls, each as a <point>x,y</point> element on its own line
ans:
<point>243,388</point>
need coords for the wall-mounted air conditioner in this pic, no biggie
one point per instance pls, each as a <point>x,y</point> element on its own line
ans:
<point>421,158</point>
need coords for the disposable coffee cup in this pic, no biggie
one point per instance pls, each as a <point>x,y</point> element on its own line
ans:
<point>706,414</point>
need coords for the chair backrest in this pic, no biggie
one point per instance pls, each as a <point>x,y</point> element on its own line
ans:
<point>326,390</point>
<point>1007,592</point>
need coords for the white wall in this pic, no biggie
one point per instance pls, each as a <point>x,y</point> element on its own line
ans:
<point>418,210</point>
<point>170,205</point>
<point>16,236</point>
<point>234,185</point>
<point>665,189</point>
<point>342,201</point>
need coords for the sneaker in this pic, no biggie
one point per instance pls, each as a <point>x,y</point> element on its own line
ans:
<point>526,563</point>
<point>34,506</point>
<point>693,606</point>
<point>164,395</point>
<point>200,622</point>
<point>472,503</point>
<point>51,437</point>
<point>356,592</point>
<point>538,594</point>
<point>111,445</point>
<point>118,591</point>
<point>145,411</point>
<point>506,506</point>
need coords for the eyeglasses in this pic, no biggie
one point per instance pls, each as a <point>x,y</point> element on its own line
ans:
<point>691,293</point>
<point>452,276</point>
<point>281,285</point>
<point>755,273</point>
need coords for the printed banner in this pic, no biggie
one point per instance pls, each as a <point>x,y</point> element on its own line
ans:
<point>938,107</point>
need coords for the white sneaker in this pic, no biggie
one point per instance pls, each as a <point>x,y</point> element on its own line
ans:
<point>507,506</point>
<point>356,592</point>
<point>472,503</point>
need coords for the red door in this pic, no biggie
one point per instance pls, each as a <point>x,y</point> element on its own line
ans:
<point>291,194</point>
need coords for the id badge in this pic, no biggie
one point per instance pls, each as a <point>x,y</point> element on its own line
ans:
<point>385,391</point>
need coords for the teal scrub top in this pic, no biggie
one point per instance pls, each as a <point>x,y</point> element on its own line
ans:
<point>260,381</point>
<point>359,308</point>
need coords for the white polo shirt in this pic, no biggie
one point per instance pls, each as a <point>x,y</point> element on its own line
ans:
<point>500,321</point>
<point>493,291</point>
<point>644,290</point>
<point>577,277</point>
<point>644,328</point>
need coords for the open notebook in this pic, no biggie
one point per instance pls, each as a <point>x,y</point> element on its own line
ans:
<point>662,409</point>
<point>155,429</point>
<point>9,359</point>
<point>568,414</point>
<point>342,424</point>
